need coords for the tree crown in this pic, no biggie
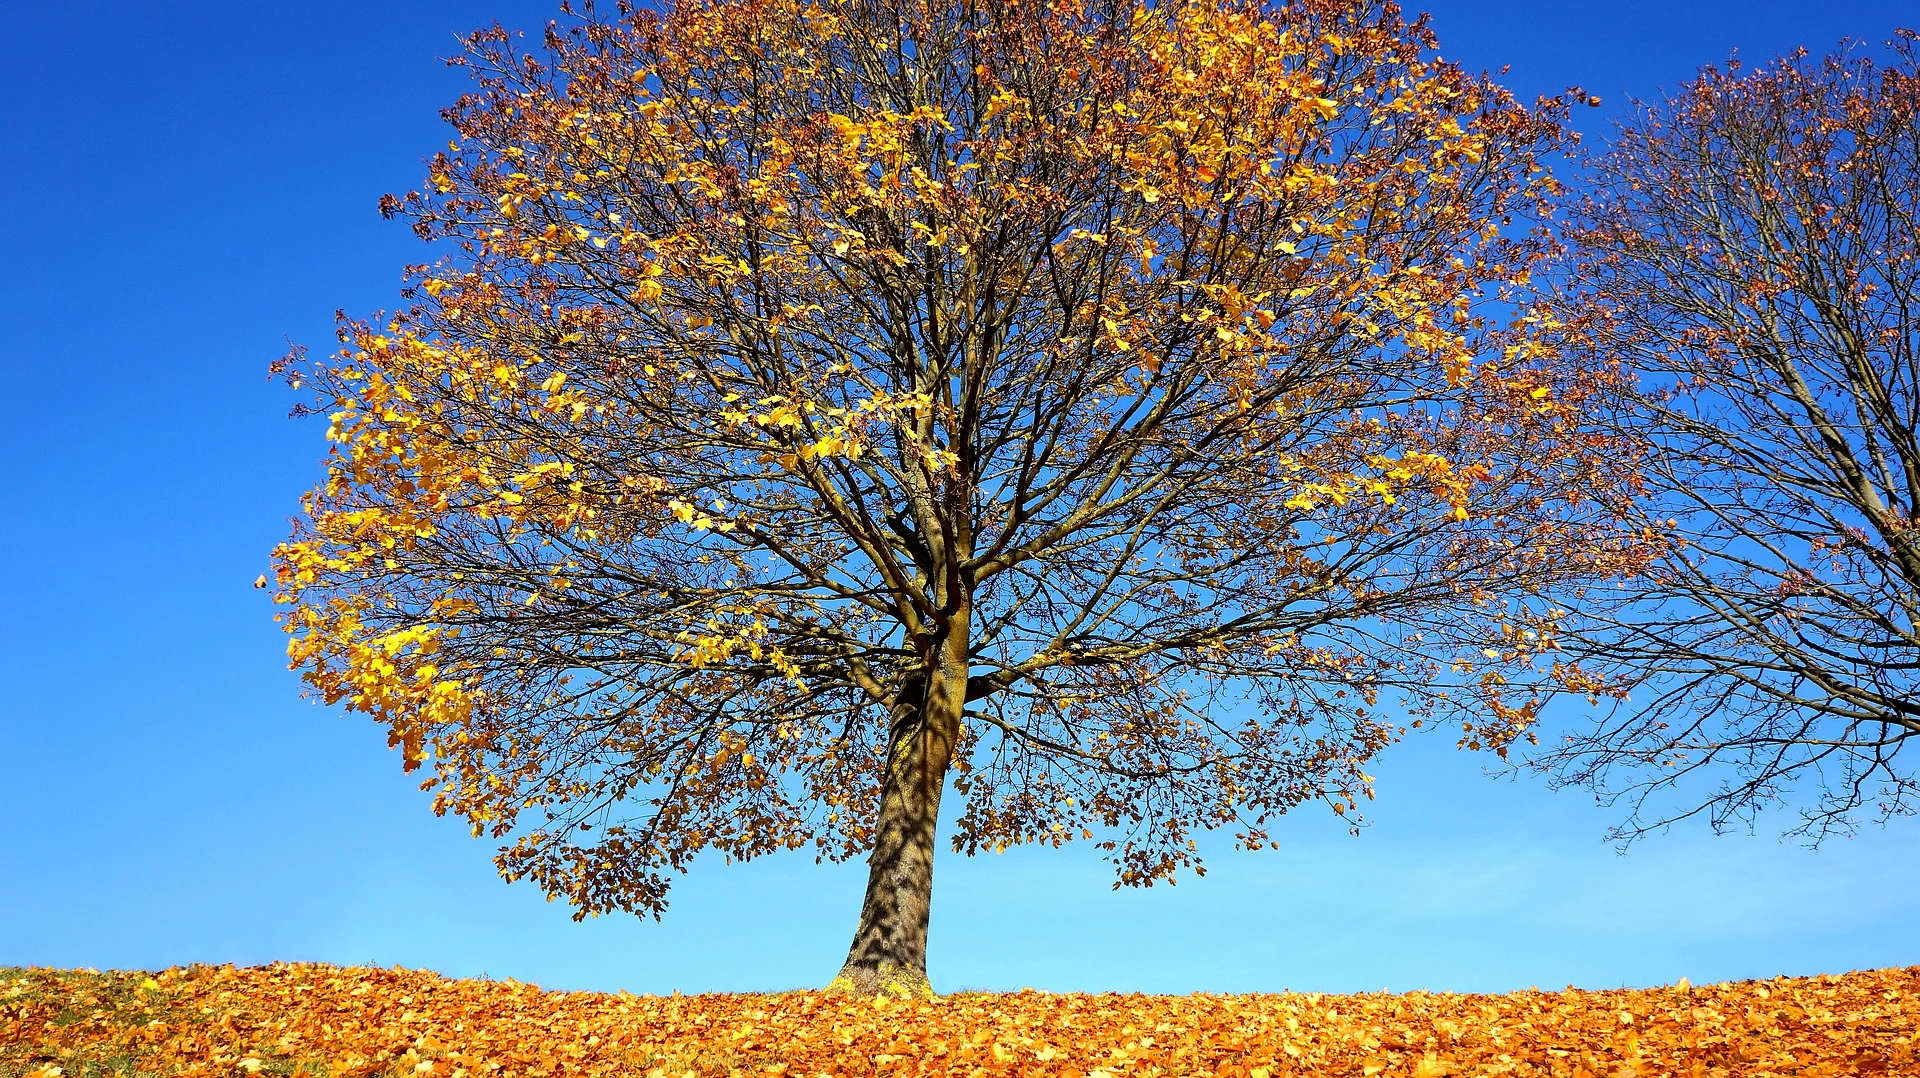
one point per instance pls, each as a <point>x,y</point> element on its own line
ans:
<point>1131,363</point>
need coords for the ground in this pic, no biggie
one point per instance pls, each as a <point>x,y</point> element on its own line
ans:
<point>311,1019</point>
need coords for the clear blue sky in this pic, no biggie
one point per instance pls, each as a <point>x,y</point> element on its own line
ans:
<point>189,186</point>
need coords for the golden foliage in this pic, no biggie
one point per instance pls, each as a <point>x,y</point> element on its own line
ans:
<point>1127,397</point>
<point>286,1019</point>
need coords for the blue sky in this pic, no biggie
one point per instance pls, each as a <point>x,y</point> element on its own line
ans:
<point>190,186</point>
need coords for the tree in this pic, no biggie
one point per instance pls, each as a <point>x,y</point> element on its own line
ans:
<point>819,404</point>
<point>1748,251</point>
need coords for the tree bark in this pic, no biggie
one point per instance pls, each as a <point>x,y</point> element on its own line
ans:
<point>889,952</point>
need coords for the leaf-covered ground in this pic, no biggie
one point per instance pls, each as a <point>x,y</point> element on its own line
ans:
<point>310,1019</point>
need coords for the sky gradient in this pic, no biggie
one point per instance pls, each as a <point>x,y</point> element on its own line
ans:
<point>191,187</point>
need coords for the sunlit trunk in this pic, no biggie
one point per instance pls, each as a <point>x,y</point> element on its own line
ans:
<point>889,952</point>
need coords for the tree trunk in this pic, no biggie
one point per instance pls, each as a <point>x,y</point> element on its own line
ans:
<point>889,952</point>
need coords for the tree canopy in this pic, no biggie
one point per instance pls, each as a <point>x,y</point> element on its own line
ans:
<point>1097,404</point>
<point>1747,251</point>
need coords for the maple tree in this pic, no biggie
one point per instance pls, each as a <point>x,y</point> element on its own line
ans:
<point>1749,254</point>
<point>1096,406</point>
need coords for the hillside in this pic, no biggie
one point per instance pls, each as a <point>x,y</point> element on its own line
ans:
<point>311,1019</point>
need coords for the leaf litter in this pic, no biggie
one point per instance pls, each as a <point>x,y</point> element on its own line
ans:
<point>300,1019</point>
